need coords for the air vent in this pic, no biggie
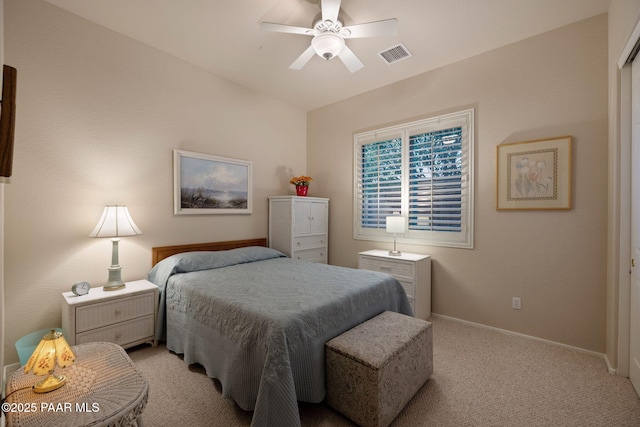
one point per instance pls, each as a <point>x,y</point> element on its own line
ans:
<point>395,54</point>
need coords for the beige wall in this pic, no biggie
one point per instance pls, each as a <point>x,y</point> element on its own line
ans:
<point>97,118</point>
<point>551,85</point>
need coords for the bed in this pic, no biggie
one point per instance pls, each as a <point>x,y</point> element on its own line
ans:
<point>257,321</point>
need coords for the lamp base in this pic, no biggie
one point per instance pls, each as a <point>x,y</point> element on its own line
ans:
<point>50,383</point>
<point>395,253</point>
<point>114,286</point>
<point>114,282</point>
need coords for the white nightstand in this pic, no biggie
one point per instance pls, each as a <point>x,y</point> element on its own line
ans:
<point>126,317</point>
<point>413,271</point>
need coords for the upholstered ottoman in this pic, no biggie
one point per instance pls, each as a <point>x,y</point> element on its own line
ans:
<point>374,369</point>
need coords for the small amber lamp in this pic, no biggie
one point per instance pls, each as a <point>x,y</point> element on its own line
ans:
<point>53,349</point>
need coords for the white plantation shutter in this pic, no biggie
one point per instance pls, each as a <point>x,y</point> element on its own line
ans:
<point>422,170</point>
<point>381,182</point>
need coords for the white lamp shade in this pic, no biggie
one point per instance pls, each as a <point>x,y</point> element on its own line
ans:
<point>327,45</point>
<point>115,222</point>
<point>396,224</point>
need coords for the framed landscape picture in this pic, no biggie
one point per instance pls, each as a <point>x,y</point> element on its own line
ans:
<point>534,174</point>
<point>206,184</point>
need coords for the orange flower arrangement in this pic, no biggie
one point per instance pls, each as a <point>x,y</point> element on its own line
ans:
<point>301,181</point>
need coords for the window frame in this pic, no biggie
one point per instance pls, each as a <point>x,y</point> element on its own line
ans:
<point>457,239</point>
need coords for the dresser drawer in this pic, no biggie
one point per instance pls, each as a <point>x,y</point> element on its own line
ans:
<point>107,313</point>
<point>399,269</point>
<point>315,255</point>
<point>302,242</point>
<point>121,333</point>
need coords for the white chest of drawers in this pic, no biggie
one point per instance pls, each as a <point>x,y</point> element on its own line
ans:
<point>126,317</point>
<point>413,271</point>
<point>298,227</point>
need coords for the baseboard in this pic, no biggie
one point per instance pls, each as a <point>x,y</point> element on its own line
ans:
<point>610,368</point>
<point>517,334</point>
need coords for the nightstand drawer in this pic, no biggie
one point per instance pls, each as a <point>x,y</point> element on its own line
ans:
<point>121,333</point>
<point>399,269</point>
<point>309,241</point>
<point>409,288</point>
<point>107,313</point>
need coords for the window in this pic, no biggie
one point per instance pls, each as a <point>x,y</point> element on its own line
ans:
<point>424,171</point>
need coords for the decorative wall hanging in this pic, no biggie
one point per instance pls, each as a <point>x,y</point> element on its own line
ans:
<point>7,121</point>
<point>534,174</point>
<point>205,184</point>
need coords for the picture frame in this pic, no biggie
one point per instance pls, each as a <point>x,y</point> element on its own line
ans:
<point>534,174</point>
<point>208,184</point>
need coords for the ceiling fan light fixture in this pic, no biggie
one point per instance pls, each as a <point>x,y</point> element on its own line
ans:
<point>328,45</point>
<point>329,35</point>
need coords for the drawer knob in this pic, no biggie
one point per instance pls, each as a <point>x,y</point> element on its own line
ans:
<point>118,312</point>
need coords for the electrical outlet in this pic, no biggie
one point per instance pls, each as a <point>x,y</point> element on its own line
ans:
<point>516,303</point>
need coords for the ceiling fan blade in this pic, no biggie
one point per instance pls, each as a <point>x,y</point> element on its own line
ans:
<point>330,10</point>
<point>281,28</point>
<point>385,28</point>
<point>303,59</point>
<point>350,59</point>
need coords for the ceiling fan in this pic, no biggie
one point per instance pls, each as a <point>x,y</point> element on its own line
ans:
<point>329,36</point>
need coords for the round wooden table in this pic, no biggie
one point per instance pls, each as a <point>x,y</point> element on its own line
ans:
<point>104,388</point>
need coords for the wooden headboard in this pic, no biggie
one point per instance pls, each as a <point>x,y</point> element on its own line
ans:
<point>161,252</point>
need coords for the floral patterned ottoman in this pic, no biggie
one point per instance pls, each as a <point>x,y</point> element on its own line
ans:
<point>374,369</point>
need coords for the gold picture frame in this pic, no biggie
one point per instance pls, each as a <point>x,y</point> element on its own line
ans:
<point>534,174</point>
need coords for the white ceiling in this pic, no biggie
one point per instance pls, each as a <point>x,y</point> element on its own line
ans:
<point>224,36</point>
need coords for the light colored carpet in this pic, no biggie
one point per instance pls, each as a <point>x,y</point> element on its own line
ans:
<point>481,378</point>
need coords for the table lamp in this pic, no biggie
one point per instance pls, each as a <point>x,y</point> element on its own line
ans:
<point>395,224</point>
<point>53,349</point>
<point>115,223</point>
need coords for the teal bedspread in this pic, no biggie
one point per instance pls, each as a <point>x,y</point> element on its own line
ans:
<point>257,321</point>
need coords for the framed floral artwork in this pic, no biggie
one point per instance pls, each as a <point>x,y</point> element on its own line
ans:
<point>206,184</point>
<point>534,174</point>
